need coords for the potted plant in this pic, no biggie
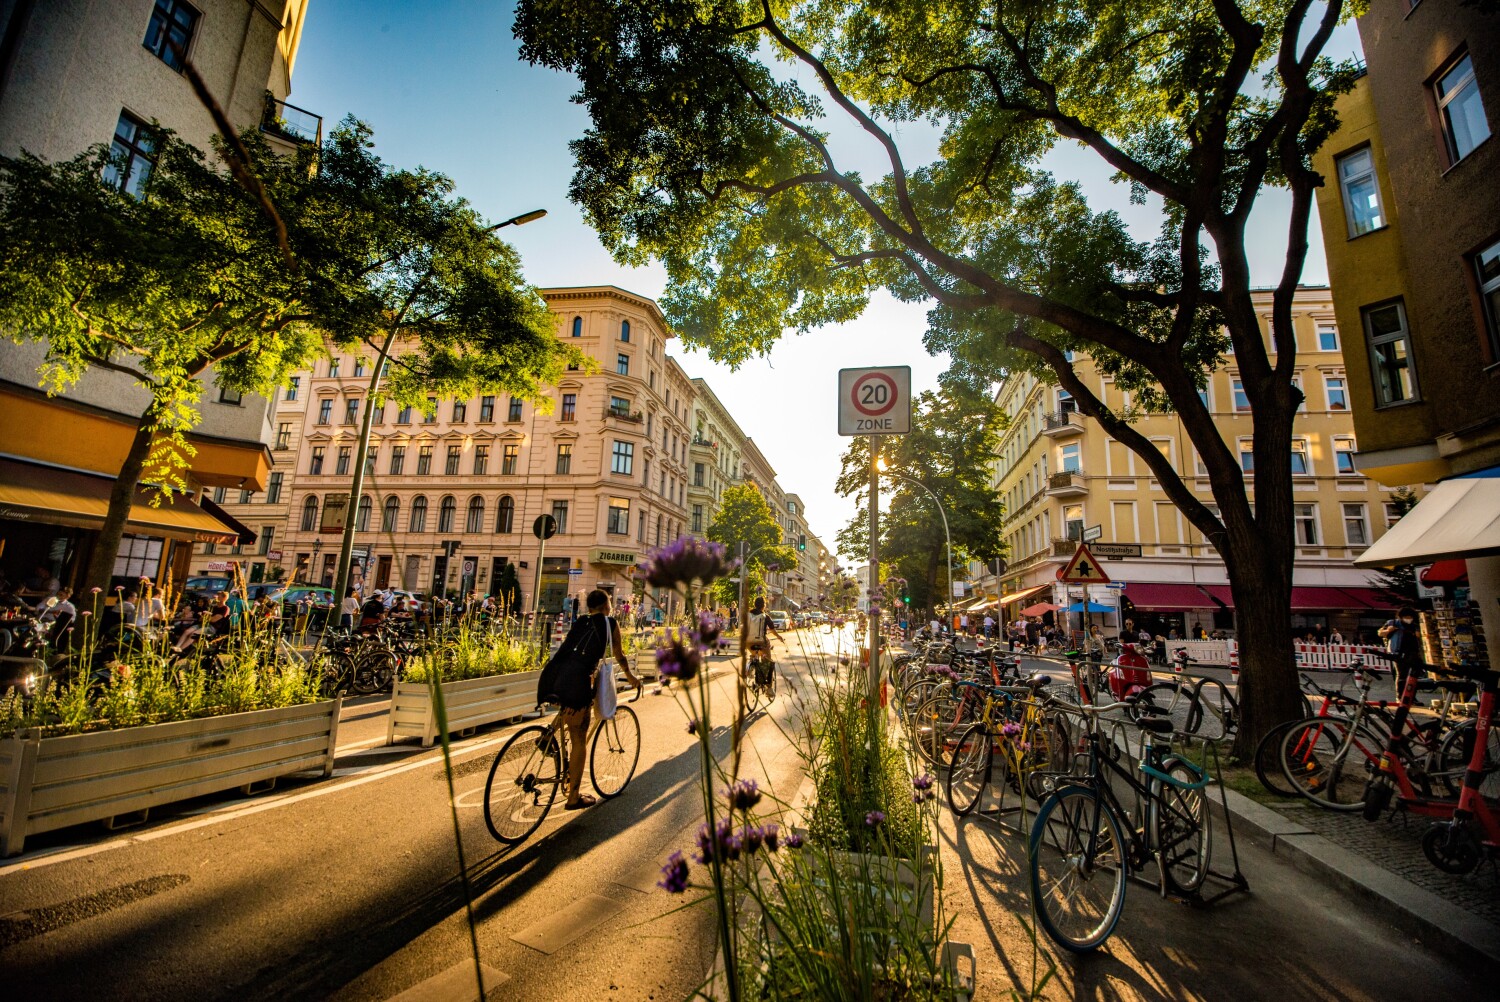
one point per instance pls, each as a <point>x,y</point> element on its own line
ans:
<point>484,676</point>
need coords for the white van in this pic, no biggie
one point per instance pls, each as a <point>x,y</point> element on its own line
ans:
<point>778,619</point>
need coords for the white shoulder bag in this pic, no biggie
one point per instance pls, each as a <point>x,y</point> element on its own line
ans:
<point>605,698</point>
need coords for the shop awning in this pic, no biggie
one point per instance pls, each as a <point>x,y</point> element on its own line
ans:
<point>1164,597</point>
<point>1314,598</point>
<point>31,493</point>
<point>1040,609</point>
<point>1220,594</point>
<point>1025,593</point>
<point>1446,572</point>
<point>1460,518</point>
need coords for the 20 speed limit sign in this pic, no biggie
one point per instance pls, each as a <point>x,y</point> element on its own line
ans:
<point>875,401</point>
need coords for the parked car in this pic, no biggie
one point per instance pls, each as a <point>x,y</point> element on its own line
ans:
<point>320,598</point>
<point>209,585</point>
<point>779,619</point>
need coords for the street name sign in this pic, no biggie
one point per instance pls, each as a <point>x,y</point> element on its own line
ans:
<point>1092,533</point>
<point>1083,569</point>
<point>1115,551</point>
<point>875,401</point>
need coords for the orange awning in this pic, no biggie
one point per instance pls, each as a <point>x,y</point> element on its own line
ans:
<point>31,493</point>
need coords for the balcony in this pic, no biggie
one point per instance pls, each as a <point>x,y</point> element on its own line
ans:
<point>1066,485</point>
<point>634,417</point>
<point>705,443</point>
<point>1063,424</point>
<point>291,124</point>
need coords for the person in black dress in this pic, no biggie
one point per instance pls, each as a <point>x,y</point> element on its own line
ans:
<point>575,693</point>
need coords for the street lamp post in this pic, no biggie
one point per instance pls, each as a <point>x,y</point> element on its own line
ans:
<point>356,488</point>
<point>947,536</point>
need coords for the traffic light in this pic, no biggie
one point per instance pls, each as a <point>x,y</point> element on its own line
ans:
<point>906,598</point>
<point>801,542</point>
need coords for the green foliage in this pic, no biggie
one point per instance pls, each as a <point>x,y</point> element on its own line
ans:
<point>472,651</point>
<point>858,768</point>
<point>744,516</point>
<point>1399,584</point>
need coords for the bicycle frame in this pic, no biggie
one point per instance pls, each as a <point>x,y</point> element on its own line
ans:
<point>1392,762</point>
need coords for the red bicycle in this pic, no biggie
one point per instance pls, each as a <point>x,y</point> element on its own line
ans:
<point>1458,844</point>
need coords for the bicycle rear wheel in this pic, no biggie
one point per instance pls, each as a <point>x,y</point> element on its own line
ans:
<point>1327,763</point>
<point>1268,761</point>
<point>752,691</point>
<point>522,784</point>
<point>970,773</point>
<point>1213,713</point>
<point>1078,869</point>
<point>1181,829</point>
<point>935,730</point>
<point>1172,700</point>
<point>615,751</point>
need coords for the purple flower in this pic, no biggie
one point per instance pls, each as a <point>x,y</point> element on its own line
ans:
<point>693,725</point>
<point>683,561</point>
<point>922,782</point>
<point>751,837</point>
<point>678,657</point>
<point>713,844</point>
<point>794,840</point>
<point>770,833</point>
<point>875,819</point>
<point>708,630</point>
<point>922,787</point>
<point>743,795</point>
<point>674,875</point>
<point>1010,729</point>
<point>95,590</point>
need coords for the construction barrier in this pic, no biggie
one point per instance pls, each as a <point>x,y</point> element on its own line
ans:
<point>1337,657</point>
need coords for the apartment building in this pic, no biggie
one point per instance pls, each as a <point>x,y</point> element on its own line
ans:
<point>1411,222</point>
<point>73,74</point>
<point>1059,475</point>
<point>716,453</point>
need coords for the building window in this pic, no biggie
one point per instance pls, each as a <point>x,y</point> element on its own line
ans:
<point>377,415</point>
<point>619,406</point>
<point>623,458</point>
<point>1487,265</point>
<point>640,532</point>
<point>560,514</point>
<point>1247,456</point>
<point>1305,519</point>
<point>292,385</point>
<point>398,459</point>
<point>370,456</point>
<point>460,411</point>
<point>505,514</point>
<point>418,521</point>
<point>578,327</point>
<point>697,518</point>
<point>1338,396</point>
<point>1300,467</point>
<point>284,435</point>
<point>310,513</point>
<point>245,496</point>
<point>698,474</point>
<point>132,154</point>
<point>170,30</point>
<point>1462,110</point>
<point>514,413</point>
<point>351,411</point>
<point>341,466</point>
<point>486,408</point>
<point>325,411</point>
<point>333,367</point>
<point>1328,337</point>
<point>658,530</point>
<point>359,366</point>
<point>474,521</point>
<point>403,416</point>
<point>315,463</point>
<point>622,364</point>
<point>1241,398</point>
<point>446,512</point>
<point>1071,458</point>
<point>450,465</point>
<point>625,331</point>
<point>1392,514</point>
<point>510,459</point>
<point>1344,456</point>
<point>1390,354</point>
<point>362,520</point>
<point>481,460</point>
<point>1356,525</point>
<point>565,457</point>
<point>1361,191</point>
<point>1073,521</point>
<point>429,416</point>
<point>273,488</point>
<point>389,513</point>
<point>569,407</point>
<point>619,516</point>
<point>424,460</point>
<point>228,396</point>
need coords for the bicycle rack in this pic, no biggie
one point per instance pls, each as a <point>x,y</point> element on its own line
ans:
<point>1230,883</point>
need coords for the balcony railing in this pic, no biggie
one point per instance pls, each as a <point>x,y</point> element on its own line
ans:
<point>289,122</point>
<point>634,417</point>
<point>705,443</point>
<point>1065,484</point>
<point>1063,423</point>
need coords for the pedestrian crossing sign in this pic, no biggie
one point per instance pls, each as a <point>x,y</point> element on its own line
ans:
<point>1083,569</point>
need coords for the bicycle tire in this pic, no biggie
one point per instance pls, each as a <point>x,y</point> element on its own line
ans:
<point>752,692</point>
<point>1078,869</point>
<point>1453,759</point>
<point>970,772</point>
<point>533,772</point>
<point>1181,829</point>
<point>1172,700</point>
<point>1328,765</point>
<point>934,730</point>
<point>621,742</point>
<point>1213,701</point>
<point>1268,762</point>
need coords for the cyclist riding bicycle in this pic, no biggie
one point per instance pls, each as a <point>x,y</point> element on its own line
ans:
<point>753,637</point>
<point>583,656</point>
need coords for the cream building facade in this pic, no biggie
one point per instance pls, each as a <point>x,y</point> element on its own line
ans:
<point>1060,475</point>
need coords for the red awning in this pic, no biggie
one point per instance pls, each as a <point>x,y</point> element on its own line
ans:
<point>1320,598</point>
<point>1220,594</point>
<point>1446,572</point>
<point>1167,597</point>
<point>1369,598</point>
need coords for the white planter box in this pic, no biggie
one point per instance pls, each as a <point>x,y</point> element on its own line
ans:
<point>53,782</point>
<point>468,703</point>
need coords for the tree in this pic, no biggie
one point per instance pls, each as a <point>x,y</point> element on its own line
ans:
<point>187,277</point>
<point>951,447</point>
<point>744,517</point>
<point>507,588</point>
<point>1399,584</point>
<point>709,149</point>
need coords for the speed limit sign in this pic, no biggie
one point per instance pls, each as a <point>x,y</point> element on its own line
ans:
<point>875,401</point>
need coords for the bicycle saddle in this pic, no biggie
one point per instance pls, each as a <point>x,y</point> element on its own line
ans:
<point>1037,681</point>
<point>1465,689</point>
<point>1156,725</point>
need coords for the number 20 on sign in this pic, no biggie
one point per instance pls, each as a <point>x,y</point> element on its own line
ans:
<point>875,401</point>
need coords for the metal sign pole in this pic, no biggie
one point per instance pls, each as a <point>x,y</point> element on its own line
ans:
<point>874,582</point>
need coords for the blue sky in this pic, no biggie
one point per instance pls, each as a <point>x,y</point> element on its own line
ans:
<point>442,85</point>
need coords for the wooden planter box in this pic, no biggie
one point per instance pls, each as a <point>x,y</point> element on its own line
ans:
<point>53,782</point>
<point>468,703</point>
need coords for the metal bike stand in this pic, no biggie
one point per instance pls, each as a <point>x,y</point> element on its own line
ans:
<point>1230,883</point>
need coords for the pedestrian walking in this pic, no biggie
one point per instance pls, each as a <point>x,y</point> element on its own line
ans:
<point>1404,640</point>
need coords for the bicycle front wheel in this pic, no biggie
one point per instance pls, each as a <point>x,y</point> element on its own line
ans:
<point>1172,700</point>
<point>1180,826</point>
<point>615,751</point>
<point>970,773</point>
<point>1078,869</point>
<point>1213,713</point>
<point>1328,762</point>
<point>1268,761</point>
<point>522,784</point>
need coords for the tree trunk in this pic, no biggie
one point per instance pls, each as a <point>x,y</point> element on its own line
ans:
<point>121,497</point>
<point>1268,689</point>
